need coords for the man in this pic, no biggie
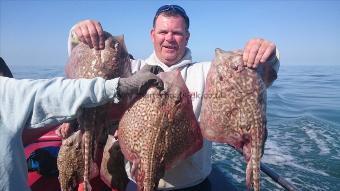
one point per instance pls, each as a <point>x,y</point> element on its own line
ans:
<point>32,104</point>
<point>170,36</point>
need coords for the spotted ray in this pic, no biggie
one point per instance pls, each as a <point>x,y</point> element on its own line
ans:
<point>234,109</point>
<point>159,130</point>
<point>69,163</point>
<point>84,62</point>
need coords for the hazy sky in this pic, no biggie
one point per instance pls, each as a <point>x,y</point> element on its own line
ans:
<point>305,32</point>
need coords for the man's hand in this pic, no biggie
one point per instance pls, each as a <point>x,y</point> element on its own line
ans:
<point>141,81</point>
<point>91,33</point>
<point>258,51</point>
<point>64,130</point>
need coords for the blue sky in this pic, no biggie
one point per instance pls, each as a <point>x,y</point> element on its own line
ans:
<point>305,32</point>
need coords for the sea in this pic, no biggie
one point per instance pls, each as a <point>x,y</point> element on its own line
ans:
<point>303,113</point>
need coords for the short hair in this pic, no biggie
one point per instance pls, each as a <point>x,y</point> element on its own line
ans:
<point>172,10</point>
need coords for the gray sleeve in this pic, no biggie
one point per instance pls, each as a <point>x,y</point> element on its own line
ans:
<point>38,103</point>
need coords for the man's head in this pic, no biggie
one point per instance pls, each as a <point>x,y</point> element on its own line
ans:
<point>170,33</point>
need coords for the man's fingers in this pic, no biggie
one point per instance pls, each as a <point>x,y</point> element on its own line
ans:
<point>97,35</point>
<point>259,55</point>
<point>87,36</point>
<point>78,33</point>
<point>91,33</point>
<point>257,51</point>
<point>250,51</point>
<point>101,35</point>
<point>94,36</point>
<point>64,130</point>
<point>153,81</point>
<point>156,69</point>
<point>58,132</point>
<point>252,55</point>
<point>270,50</point>
<point>151,68</point>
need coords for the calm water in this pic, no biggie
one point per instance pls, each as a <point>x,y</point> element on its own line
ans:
<point>303,124</point>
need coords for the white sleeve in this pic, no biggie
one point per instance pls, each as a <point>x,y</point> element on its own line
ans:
<point>275,61</point>
<point>37,103</point>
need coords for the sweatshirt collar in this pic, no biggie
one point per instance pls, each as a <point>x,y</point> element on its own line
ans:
<point>186,60</point>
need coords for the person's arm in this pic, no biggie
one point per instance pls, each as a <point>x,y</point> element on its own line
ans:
<point>38,103</point>
<point>41,103</point>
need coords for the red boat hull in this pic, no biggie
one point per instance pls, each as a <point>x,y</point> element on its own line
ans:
<point>37,182</point>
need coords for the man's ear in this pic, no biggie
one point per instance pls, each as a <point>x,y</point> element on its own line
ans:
<point>152,34</point>
<point>188,36</point>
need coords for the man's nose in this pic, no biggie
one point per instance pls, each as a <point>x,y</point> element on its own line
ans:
<point>169,37</point>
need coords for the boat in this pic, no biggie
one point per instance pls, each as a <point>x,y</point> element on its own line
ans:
<point>47,178</point>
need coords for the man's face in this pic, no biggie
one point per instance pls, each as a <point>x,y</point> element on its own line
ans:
<point>169,38</point>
